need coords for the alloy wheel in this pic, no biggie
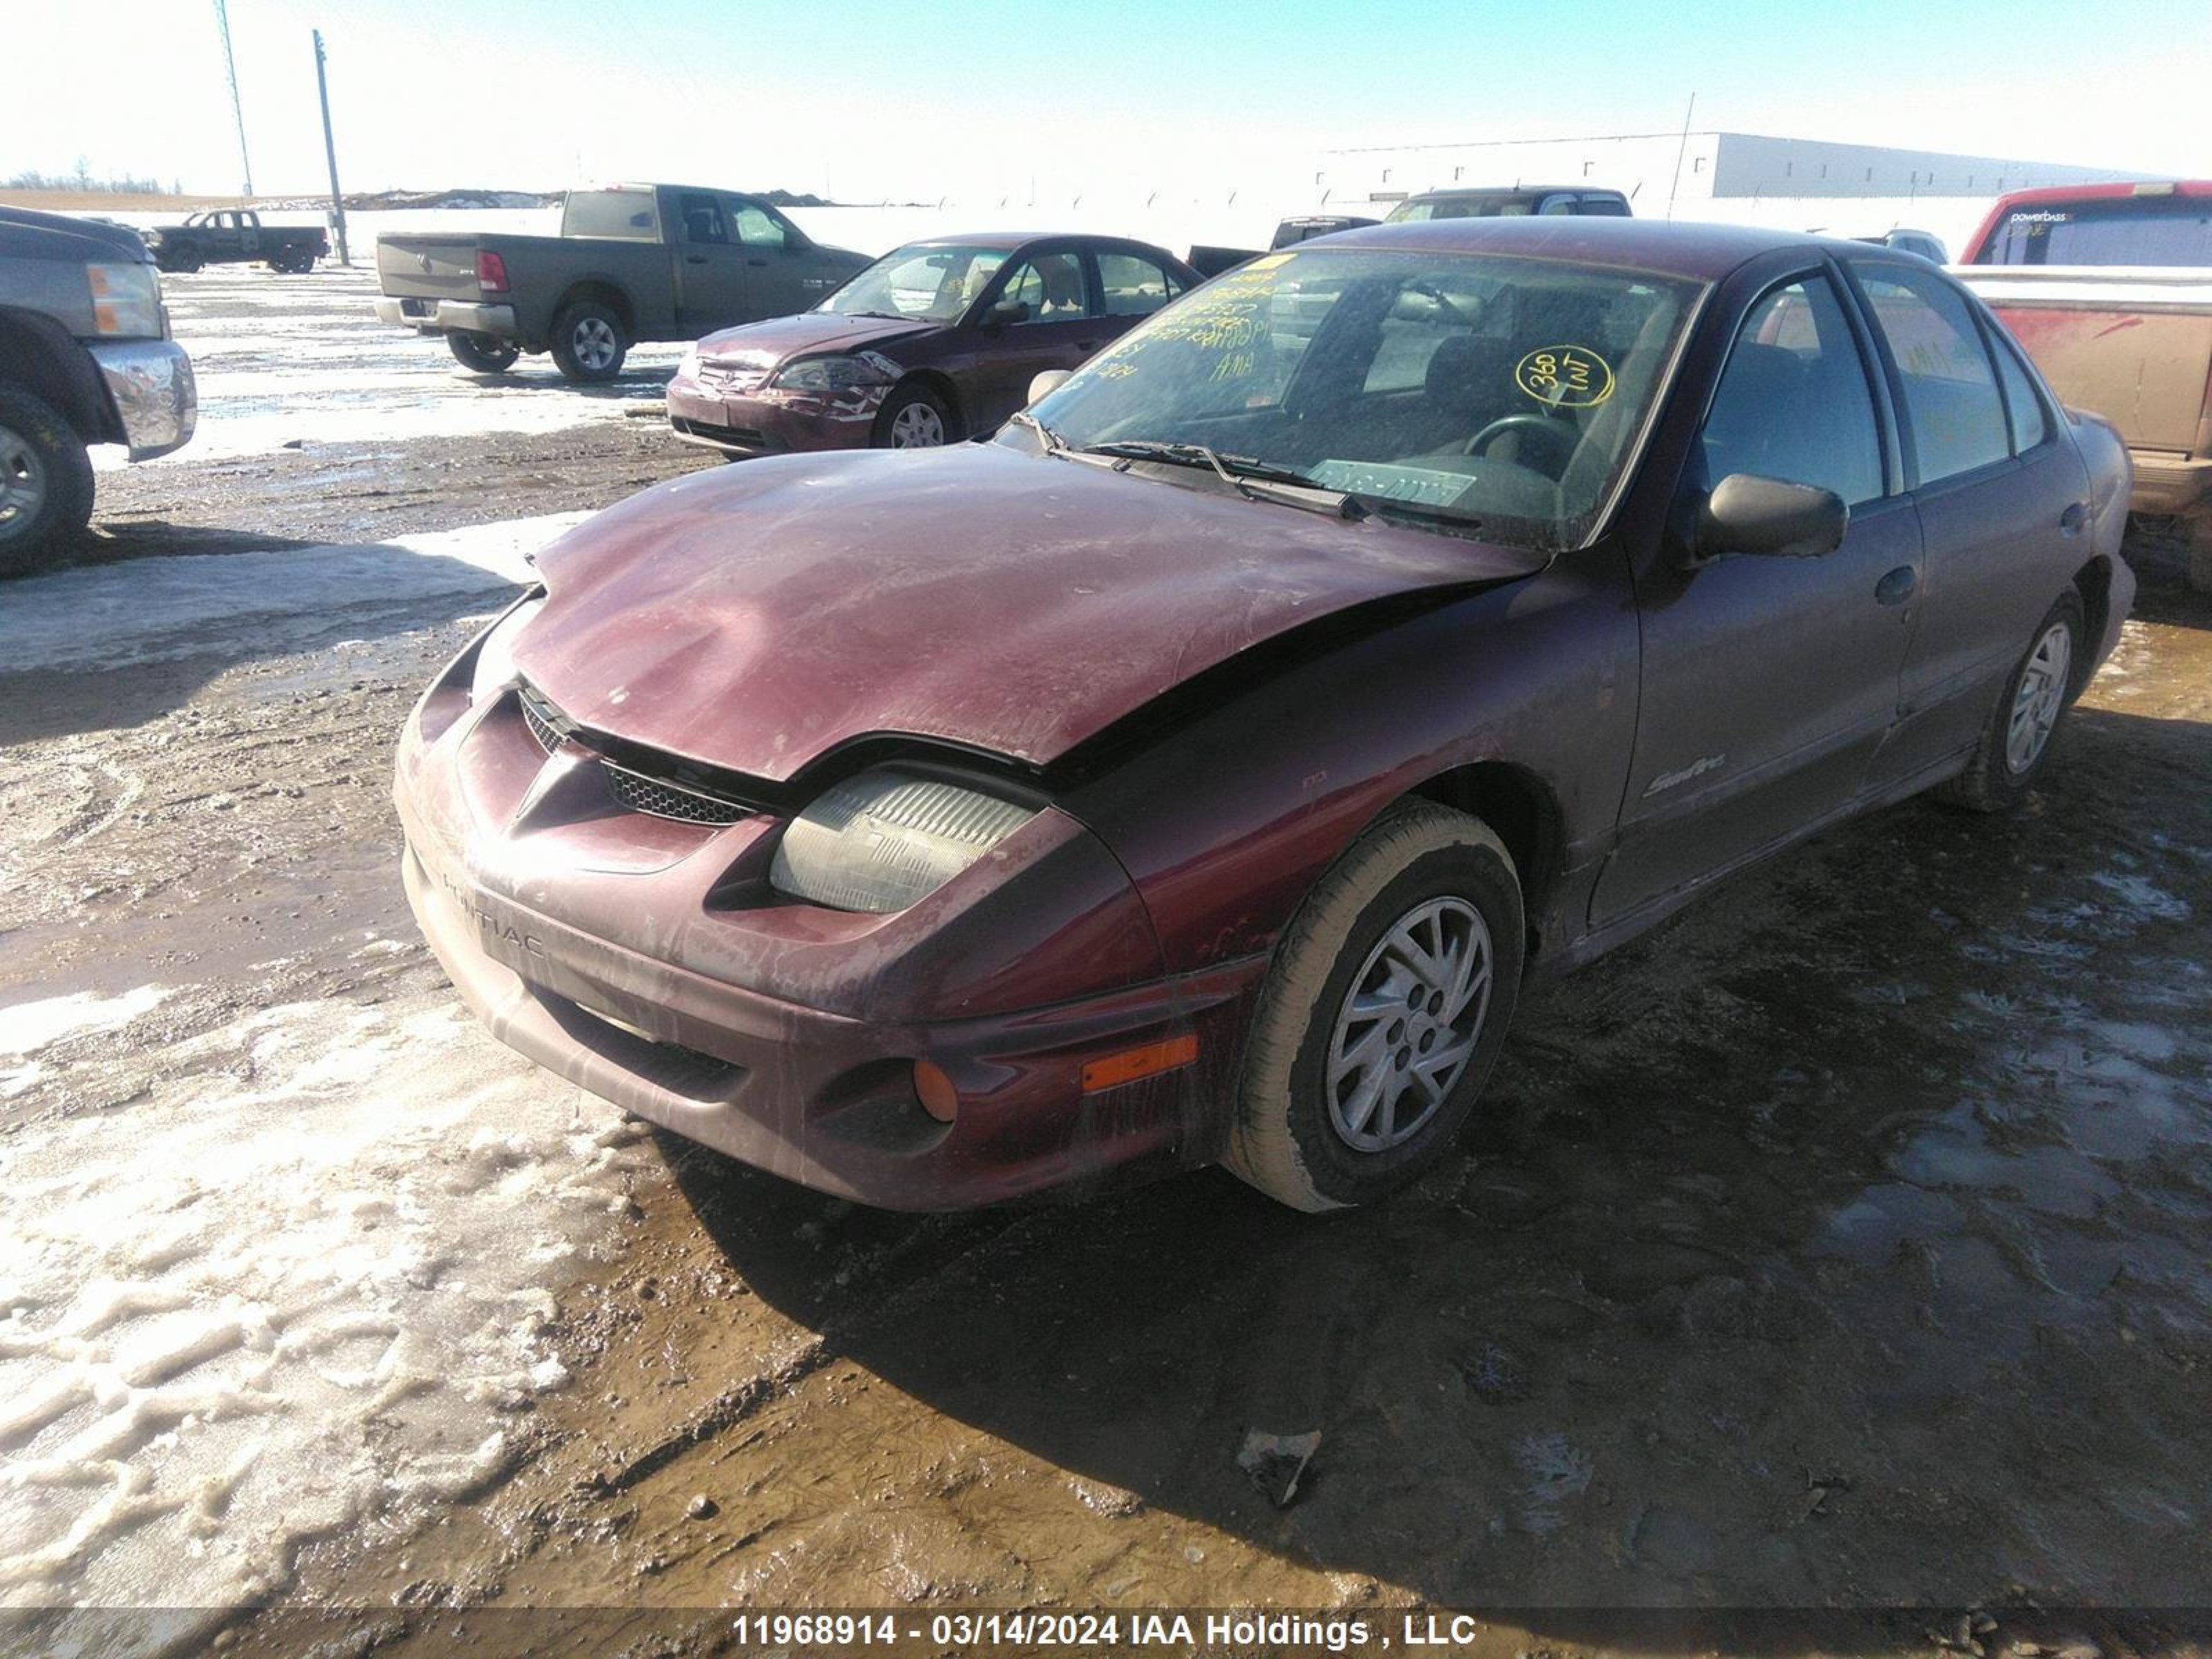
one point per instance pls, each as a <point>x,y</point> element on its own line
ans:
<point>2040,698</point>
<point>595,344</point>
<point>918,426</point>
<point>23,481</point>
<point>1408,1025</point>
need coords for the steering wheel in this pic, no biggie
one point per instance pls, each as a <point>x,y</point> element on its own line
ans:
<point>1557,439</point>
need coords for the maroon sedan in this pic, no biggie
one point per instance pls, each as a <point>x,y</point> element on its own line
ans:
<point>1195,772</point>
<point>931,344</point>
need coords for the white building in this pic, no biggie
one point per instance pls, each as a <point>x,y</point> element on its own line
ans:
<point>1741,178</point>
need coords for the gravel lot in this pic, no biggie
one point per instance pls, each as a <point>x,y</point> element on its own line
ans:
<point>1840,1244</point>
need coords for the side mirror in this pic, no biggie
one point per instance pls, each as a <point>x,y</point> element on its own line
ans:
<point>1006,311</point>
<point>1045,383</point>
<point>1746,514</point>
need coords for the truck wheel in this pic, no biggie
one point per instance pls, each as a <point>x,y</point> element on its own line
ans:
<point>297,262</point>
<point>482,353</point>
<point>182,255</point>
<point>46,483</point>
<point>588,342</point>
<point>2016,742</point>
<point>1383,1012</point>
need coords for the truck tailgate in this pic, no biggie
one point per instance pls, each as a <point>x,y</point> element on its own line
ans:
<point>2134,347</point>
<point>427,267</point>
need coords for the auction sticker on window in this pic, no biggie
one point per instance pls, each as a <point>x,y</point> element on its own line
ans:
<point>1564,377</point>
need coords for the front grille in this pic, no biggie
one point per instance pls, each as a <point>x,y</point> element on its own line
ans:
<point>540,727</point>
<point>664,801</point>
<point>641,792</point>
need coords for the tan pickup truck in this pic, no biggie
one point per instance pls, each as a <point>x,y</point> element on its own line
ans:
<point>2109,286</point>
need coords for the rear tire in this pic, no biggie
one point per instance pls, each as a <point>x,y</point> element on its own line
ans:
<point>46,483</point>
<point>589,343</point>
<point>1385,1009</point>
<point>482,353</point>
<point>2016,742</point>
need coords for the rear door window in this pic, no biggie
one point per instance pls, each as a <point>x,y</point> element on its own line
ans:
<point>1794,401</point>
<point>1951,397</point>
<point>703,224</point>
<point>1132,286</point>
<point>2031,425</point>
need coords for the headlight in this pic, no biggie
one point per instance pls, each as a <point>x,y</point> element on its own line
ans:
<point>829,374</point>
<point>887,839</point>
<point>495,671</point>
<point>126,300</point>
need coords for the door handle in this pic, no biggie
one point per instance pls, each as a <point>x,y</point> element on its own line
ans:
<point>1897,586</point>
<point>2074,518</point>
<point>694,259</point>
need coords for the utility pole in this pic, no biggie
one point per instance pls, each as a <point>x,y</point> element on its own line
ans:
<point>230,74</point>
<point>330,152</point>
<point>1680,150</point>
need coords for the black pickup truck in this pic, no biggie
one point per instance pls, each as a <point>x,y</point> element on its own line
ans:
<point>633,262</point>
<point>236,236</point>
<point>85,358</point>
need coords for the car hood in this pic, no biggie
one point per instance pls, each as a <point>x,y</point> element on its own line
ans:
<point>810,332</point>
<point>754,617</point>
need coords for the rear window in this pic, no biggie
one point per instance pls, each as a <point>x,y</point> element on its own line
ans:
<point>631,216</point>
<point>2140,230</point>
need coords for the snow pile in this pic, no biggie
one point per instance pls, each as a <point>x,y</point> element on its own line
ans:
<point>159,610</point>
<point>299,1284</point>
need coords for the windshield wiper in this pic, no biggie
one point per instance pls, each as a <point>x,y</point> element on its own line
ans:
<point>1253,479</point>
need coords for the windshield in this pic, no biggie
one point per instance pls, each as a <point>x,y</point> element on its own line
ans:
<point>929,282</point>
<point>632,215</point>
<point>1502,392</point>
<point>2153,230</point>
<point>1462,207</point>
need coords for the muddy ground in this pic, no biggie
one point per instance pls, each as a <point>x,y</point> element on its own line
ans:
<point>1841,1244</point>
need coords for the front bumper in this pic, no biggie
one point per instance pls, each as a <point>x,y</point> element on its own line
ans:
<point>2167,482</point>
<point>448,316</point>
<point>647,962</point>
<point>762,420</point>
<point>155,392</point>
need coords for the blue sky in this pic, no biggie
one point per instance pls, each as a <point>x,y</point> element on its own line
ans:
<point>913,101</point>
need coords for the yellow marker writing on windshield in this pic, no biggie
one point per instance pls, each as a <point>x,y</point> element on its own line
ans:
<point>1564,377</point>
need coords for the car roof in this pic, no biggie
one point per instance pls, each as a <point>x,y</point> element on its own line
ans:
<point>1705,252</point>
<point>1014,240</point>
<point>1466,192</point>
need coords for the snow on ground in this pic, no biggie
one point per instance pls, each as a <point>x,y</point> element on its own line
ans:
<point>299,1285</point>
<point>161,609</point>
<point>315,366</point>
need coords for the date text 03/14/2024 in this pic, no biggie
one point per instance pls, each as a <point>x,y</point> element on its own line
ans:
<point>1078,1631</point>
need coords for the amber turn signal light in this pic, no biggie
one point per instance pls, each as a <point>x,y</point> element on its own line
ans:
<point>1113,1070</point>
<point>938,1097</point>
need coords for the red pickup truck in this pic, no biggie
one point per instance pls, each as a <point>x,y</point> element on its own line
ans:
<point>2109,286</point>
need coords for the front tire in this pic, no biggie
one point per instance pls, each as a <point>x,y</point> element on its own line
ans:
<point>185,257</point>
<point>1383,1012</point>
<point>482,353</point>
<point>589,343</point>
<point>913,417</point>
<point>2041,688</point>
<point>46,483</point>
